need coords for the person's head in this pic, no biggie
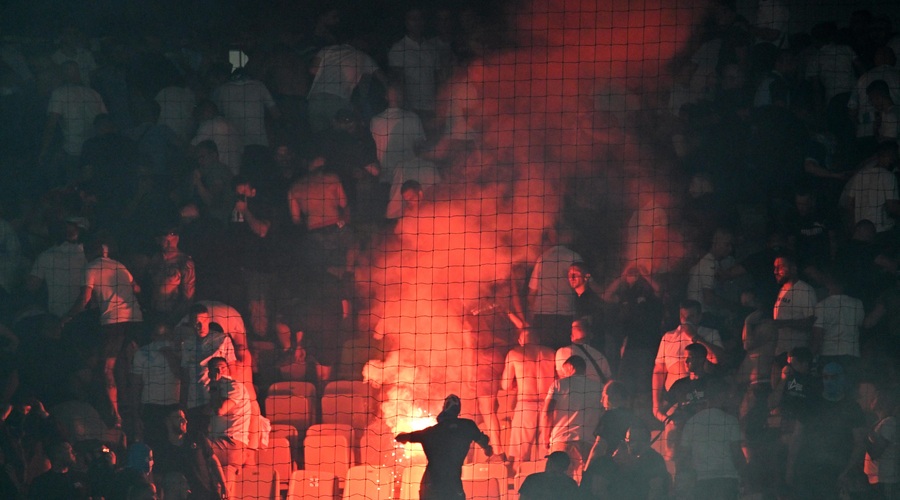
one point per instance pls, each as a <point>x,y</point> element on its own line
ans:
<point>415,23</point>
<point>615,394</point>
<point>395,94</point>
<point>805,201</point>
<point>412,193</point>
<point>207,153</point>
<point>199,319</point>
<point>785,269</point>
<point>865,231</point>
<point>579,276</point>
<point>61,455</point>
<point>74,226</point>
<point>96,247</point>
<point>205,110</point>
<point>695,361</point>
<point>581,331</point>
<point>527,337</point>
<point>689,312</point>
<point>879,95</point>
<point>243,187</point>
<point>637,439</point>
<point>452,407</point>
<point>722,244</point>
<point>176,423</point>
<point>140,458</point>
<point>167,239</point>
<point>574,365</point>
<point>160,330</point>
<point>345,119</point>
<point>71,74</point>
<point>632,275</point>
<point>218,369</point>
<point>558,462</point>
<point>189,212</point>
<point>800,359</point>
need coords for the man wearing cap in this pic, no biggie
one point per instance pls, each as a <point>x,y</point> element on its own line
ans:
<point>551,484</point>
<point>446,445</point>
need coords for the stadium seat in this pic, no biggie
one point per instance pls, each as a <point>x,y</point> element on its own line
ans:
<point>293,388</point>
<point>410,482</point>
<point>298,411</point>
<point>327,447</point>
<point>311,485</point>
<point>256,483</point>
<point>365,482</point>
<point>278,457</point>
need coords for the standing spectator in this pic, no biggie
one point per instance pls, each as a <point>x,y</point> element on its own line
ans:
<point>702,285</point>
<point>879,95</point>
<point>195,355</point>
<point>176,103</point>
<point>249,232</point>
<point>446,445</point>
<point>338,70</point>
<point>571,413</point>
<point>551,302</point>
<point>710,451</point>
<point>156,382</point>
<point>211,181</point>
<point>859,105</point>
<point>835,333</point>
<point>831,447</point>
<point>416,61</point>
<point>214,127</point>
<point>589,307</point>
<point>171,278</point>
<point>553,482</point>
<point>795,309</point>
<point>72,107</point>
<point>72,50</point>
<point>635,471</point>
<point>231,407</point>
<point>398,133</point>
<point>529,370</point>
<point>61,269</point>
<point>246,103</point>
<point>616,420</point>
<point>598,366</point>
<point>110,285</point>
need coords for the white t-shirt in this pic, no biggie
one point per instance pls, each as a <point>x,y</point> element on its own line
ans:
<point>419,64</point>
<point>795,301</point>
<point>710,434</point>
<point>227,138</point>
<point>840,316</point>
<point>869,189</point>
<point>396,133</point>
<point>176,106</point>
<point>236,423</point>
<point>859,99</point>
<point>62,269</point>
<point>887,468</point>
<point>549,282</point>
<point>578,408</point>
<point>564,353</point>
<point>341,67</point>
<point>83,58</point>
<point>671,352</point>
<point>195,354</point>
<point>77,107</point>
<point>244,103</point>
<point>161,385</point>
<point>702,276</point>
<point>112,288</point>
<point>833,66</point>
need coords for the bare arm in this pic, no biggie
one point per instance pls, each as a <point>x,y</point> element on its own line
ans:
<point>84,297</point>
<point>547,419</point>
<point>659,391</point>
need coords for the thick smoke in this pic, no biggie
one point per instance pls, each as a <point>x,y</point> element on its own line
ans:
<point>550,123</point>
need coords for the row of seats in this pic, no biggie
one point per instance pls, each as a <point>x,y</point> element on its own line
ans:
<point>364,482</point>
<point>343,402</point>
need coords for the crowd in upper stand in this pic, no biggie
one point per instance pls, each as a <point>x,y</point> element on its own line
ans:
<point>157,196</point>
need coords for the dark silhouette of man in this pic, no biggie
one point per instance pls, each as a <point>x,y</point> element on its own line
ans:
<point>446,445</point>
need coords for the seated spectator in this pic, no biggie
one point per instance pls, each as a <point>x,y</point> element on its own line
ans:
<point>61,482</point>
<point>633,472</point>
<point>190,456</point>
<point>552,483</point>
